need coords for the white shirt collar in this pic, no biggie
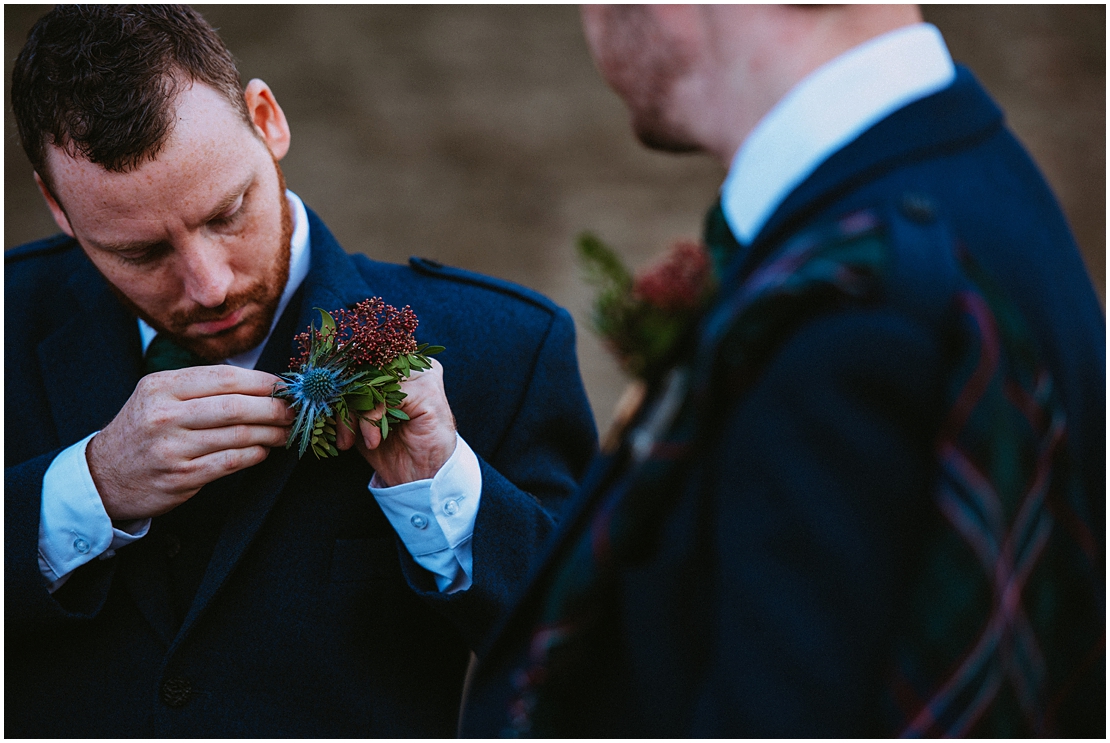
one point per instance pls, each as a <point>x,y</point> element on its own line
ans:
<point>820,115</point>
<point>299,260</point>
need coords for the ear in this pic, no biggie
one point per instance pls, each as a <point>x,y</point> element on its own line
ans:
<point>267,116</point>
<point>55,208</point>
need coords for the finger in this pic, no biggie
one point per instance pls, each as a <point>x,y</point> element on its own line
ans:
<point>344,436</point>
<point>227,410</point>
<point>371,434</point>
<point>217,464</point>
<point>216,379</point>
<point>201,443</point>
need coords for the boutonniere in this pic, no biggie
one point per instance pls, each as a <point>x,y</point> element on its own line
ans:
<point>354,362</point>
<point>644,317</point>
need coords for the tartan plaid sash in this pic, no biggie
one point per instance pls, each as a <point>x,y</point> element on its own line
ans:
<point>1011,521</point>
<point>999,655</point>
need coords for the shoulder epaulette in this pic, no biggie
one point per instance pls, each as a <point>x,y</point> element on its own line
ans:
<point>430,267</point>
<point>54,244</point>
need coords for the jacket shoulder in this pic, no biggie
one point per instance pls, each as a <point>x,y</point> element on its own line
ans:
<point>435,269</point>
<point>476,286</point>
<point>49,246</point>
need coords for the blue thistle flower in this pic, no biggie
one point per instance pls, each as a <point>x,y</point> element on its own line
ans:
<point>314,392</point>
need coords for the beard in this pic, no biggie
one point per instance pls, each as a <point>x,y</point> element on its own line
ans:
<point>264,295</point>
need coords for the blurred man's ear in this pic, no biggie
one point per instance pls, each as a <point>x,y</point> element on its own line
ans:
<point>267,116</point>
<point>55,208</point>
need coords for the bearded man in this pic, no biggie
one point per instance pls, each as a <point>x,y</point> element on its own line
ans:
<point>865,497</point>
<point>170,569</point>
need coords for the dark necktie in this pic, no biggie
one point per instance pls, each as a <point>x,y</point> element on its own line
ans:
<point>163,355</point>
<point>719,240</point>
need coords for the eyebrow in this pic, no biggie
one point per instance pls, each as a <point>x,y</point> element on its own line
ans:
<point>221,206</point>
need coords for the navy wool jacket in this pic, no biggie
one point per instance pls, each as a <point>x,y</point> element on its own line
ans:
<point>279,602</point>
<point>771,601</point>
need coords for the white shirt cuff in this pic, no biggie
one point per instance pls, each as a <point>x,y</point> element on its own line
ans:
<point>435,517</point>
<point>74,528</point>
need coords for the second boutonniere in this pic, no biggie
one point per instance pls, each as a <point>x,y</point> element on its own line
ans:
<point>643,316</point>
<point>353,363</point>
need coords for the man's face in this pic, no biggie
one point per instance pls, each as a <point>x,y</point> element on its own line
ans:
<point>196,241</point>
<point>643,59</point>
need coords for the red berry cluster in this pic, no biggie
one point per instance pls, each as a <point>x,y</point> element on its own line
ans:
<point>373,333</point>
<point>376,333</point>
<point>677,280</point>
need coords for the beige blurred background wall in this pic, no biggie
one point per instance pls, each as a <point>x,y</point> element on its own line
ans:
<point>482,136</point>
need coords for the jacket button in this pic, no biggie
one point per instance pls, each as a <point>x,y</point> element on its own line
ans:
<point>176,692</point>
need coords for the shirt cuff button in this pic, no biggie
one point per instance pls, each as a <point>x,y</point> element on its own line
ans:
<point>418,521</point>
<point>451,507</point>
<point>81,545</point>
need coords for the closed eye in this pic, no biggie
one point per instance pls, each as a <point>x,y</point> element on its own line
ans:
<point>143,255</point>
<point>230,214</point>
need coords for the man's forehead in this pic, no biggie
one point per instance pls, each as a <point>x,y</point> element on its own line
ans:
<point>201,119</point>
<point>209,146</point>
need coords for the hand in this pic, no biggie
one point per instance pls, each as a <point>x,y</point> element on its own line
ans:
<point>420,446</point>
<point>179,431</point>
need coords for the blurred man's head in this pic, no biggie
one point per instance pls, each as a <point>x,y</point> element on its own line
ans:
<point>150,154</point>
<point>699,77</point>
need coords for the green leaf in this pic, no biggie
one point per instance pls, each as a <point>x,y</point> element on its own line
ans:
<point>602,265</point>
<point>379,380</point>
<point>385,426</point>
<point>433,350</point>
<point>362,402</point>
<point>327,322</point>
<point>400,415</point>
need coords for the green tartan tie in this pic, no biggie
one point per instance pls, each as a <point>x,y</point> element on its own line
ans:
<point>719,240</point>
<point>163,355</point>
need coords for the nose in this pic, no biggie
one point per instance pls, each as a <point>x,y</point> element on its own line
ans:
<point>206,275</point>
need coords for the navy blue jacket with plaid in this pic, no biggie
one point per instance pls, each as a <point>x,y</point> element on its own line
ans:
<point>278,602</point>
<point>801,533</point>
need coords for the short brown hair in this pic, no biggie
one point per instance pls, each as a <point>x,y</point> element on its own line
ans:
<point>100,81</point>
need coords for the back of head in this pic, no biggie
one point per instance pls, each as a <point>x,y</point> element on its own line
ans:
<point>100,81</point>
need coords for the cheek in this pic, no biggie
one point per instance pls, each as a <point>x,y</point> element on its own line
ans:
<point>254,253</point>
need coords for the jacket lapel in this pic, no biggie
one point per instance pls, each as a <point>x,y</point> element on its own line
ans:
<point>84,391</point>
<point>332,282</point>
